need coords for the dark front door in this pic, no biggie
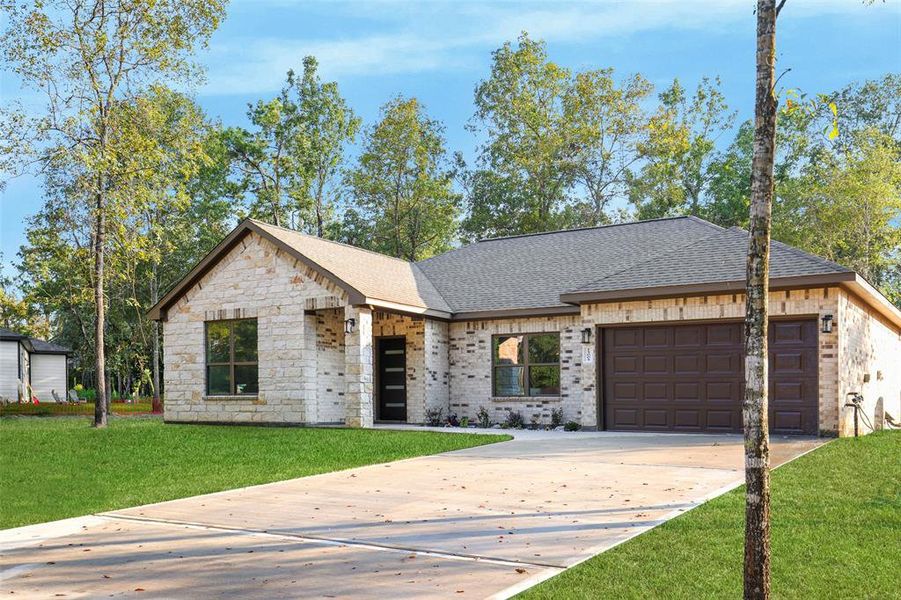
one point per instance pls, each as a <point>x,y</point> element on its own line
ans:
<point>691,377</point>
<point>392,379</point>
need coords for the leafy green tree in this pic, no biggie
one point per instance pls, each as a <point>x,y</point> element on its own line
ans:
<point>526,165</point>
<point>403,185</point>
<point>88,58</point>
<point>609,129</point>
<point>291,160</point>
<point>328,125</point>
<point>680,150</point>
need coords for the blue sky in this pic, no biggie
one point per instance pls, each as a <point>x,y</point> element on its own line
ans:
<point>438,51</point>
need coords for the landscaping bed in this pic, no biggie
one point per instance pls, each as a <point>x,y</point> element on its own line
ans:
<point>58,468</point>
<point>52,409</point>
<point>836,516</point>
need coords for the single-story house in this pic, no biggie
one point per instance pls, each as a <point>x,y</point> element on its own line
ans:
<point>632,326</point>
<point>27,363</point>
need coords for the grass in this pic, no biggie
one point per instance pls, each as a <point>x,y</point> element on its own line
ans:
<point>836,533</point>
<point>52,409</point>
<point>57,468</point>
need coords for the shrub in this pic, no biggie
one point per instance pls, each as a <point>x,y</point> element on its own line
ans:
<point>452,420</point>
<point>514,420</point>
<point>484,418</point>
<point>572,426</point>
<point>433,416</point>
<point>557,417</point>
<point>464,422</point>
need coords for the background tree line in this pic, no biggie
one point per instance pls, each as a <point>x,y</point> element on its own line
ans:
<point>558,149</point>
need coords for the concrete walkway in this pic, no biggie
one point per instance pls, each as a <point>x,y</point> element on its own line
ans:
<point>482,522</point>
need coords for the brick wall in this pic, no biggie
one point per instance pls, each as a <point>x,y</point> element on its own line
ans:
<point>256,280</point>
<point>870,354</point>
<point>809,302</point>
<point>470,368</point>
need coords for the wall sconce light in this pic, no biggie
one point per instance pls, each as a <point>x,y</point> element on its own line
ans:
<point>350,325</point>
<point>827,324</point>
<point>586,335</point>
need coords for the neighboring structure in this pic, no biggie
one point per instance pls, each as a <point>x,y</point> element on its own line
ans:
<point>635,326</point>
<point>31,368</point>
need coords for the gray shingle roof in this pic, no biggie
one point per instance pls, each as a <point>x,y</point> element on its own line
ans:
<point>718,257</point>
<point>531,271</point>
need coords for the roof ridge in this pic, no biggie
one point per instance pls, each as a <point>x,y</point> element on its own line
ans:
<point>652,258</point>
<point>316,237</point>
<point>608,225</point>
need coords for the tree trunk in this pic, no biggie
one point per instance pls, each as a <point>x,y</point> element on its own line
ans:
<point>156,405</point>
<point>100,403</point>
<point>757,476</point>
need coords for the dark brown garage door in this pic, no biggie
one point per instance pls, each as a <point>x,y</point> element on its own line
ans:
<point>690,377</point>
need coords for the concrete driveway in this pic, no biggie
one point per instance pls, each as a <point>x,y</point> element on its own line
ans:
<point>482,522</point>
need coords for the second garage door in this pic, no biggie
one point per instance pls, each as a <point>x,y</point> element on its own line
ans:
<point>690,377</point>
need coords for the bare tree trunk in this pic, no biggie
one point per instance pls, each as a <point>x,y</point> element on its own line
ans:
<point>100,402</point>
<point>156,405</point>
<point>757,453</point>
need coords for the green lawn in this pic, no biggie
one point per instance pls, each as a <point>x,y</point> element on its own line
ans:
<point>54,468</point>
<point>836,534</point>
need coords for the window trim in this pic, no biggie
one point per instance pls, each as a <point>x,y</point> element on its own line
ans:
<point>231,363</point>
<point>526,364</point>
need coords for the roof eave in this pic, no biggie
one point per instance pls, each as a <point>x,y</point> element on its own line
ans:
<point>512,313</point>
<point>700,289</point>
<point>158,311</point>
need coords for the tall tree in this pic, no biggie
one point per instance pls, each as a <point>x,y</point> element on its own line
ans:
<point>609,129</point>
<point>291,160</point>
<point>525,166</point>
<point>680,150</point>
<point>754,407</point>
<point>329,125</point>
<point>403,185</point>
<point>88,57</point>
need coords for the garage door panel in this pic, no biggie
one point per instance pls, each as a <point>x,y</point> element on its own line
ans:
<point>687,418</point>
<point>625,365</point>
<point>690,377</point>
<point>656,418</point>
<point>656,391</point>
<point>686,364</point>
<point>656,365</point>
<point>722,420</point>
<point>686,336</point>
<point>721,335</point>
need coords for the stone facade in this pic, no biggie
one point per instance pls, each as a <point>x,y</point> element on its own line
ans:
<point>254,280</point>
<point>470,369</point>
<point>312,372</point>
<point>869,352</point>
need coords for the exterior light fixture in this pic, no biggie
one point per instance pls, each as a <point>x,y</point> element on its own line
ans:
<point>350,325</point>
<point>827,324</point>
<point>586,335</point>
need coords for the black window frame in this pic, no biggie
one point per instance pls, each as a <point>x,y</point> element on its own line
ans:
<point>231,363</point>
<point>526,364</point>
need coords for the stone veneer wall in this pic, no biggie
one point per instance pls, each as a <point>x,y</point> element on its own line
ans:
<point>255,279</point>
<point>868,346</point>
<point>470,369</point>
<point>808,302</point>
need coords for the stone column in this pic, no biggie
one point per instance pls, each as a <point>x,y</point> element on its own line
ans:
<point>358,368</point>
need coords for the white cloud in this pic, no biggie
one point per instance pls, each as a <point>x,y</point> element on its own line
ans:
<point>428,36</point>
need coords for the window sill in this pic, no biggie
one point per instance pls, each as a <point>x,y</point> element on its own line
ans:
<point>248,397</point>
<point>526,398</point>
